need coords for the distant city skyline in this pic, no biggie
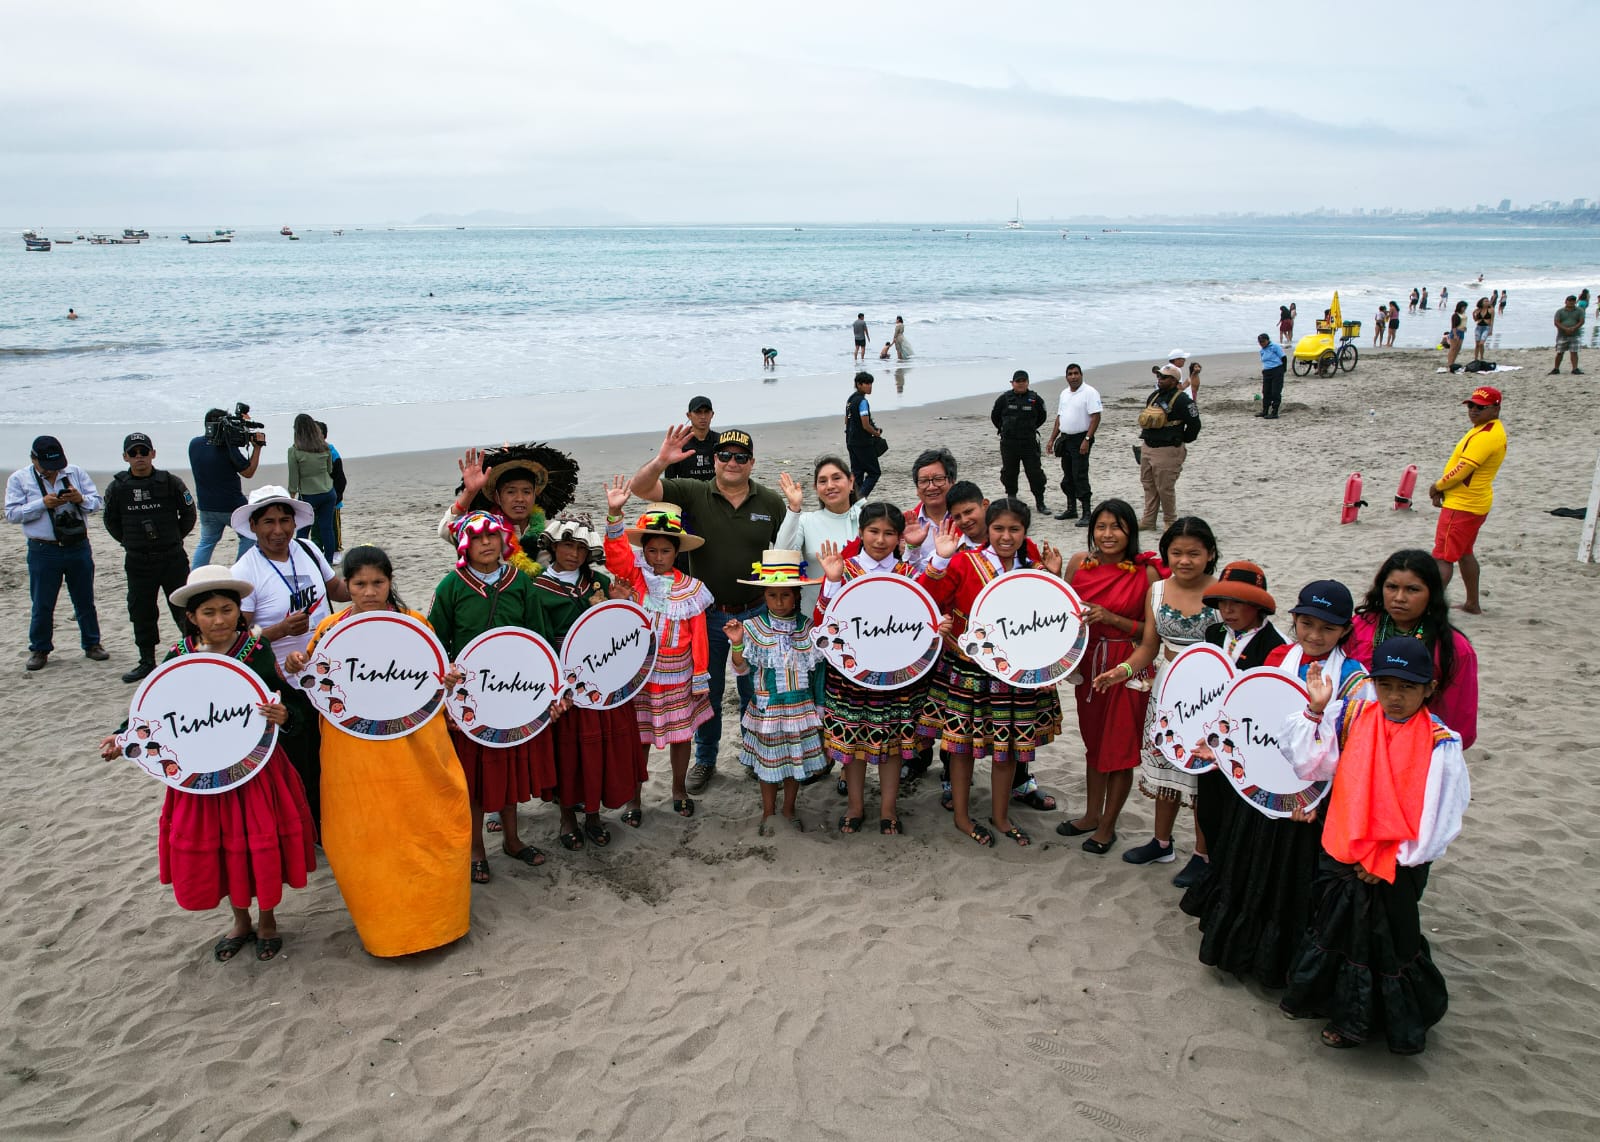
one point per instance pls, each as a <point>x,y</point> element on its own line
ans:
<point>183,113</point>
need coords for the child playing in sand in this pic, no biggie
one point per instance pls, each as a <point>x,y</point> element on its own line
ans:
<point>1400,787</point>
<point>862,727</point>
<point>673,703</point>
<point>883,354</point>
<point>487,590</point>
<point>970,712</point>
<point>247,842</point>
<point>782,745</point>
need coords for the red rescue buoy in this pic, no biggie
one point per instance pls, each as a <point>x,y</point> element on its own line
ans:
<point>1353,503</point>
<point>1408,484</point>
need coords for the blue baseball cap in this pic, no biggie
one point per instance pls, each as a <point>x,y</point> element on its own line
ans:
<point>1402,657</point>
<point>1328,600</point>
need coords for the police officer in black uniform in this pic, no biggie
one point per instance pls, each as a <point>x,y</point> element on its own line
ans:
<point>1017,416</point>
<point>149,512</point>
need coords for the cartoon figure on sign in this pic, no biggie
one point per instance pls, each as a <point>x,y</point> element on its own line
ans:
<point>1227,747</point>
<point>1223,727</point>
<point>1002,663</point>
<point>323,667</point>
<point>1238,770</point>
<point>336,706</point>
<point>142,730</point>
<point>469,716</point>
<point>848,661</point>
<point>1177,753</point>
<point>1213,740</point>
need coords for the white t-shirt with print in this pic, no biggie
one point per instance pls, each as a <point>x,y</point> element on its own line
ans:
<point>306,573</point>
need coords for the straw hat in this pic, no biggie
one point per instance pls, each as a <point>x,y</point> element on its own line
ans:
<point>779,567</point>
<point>212,577</point>
<point>1244,583</point>
<point>266,496</point>
<point>664,520</point>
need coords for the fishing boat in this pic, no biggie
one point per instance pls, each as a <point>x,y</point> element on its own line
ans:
<point>207,239</point>
<point>136,234</point>
<point>1016,219</point>
<point>99,240</point>
<point>286,232</point>
<point>34,242</point>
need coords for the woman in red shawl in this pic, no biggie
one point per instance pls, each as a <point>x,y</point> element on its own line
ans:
<point>1111,578</point>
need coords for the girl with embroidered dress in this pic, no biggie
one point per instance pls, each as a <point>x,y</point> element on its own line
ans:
<point>396,818</point>
<point>1399,790</point>
<point>782,740</point>
<point>673,703</point>
<point>487,590</point>
<point>247,842</point>
<point>862,727</point>
<point>598,760</point>
<point>1113,578</point>
<point>969,711</point>
<point>1175,616</point>
<point>1408,599</point>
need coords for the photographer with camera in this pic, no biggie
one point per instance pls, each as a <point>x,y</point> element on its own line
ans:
<point>51,499</point>
<point>149,512</point>
<point>219,465</point>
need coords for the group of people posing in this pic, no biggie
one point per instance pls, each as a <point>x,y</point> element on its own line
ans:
<point>736,574</point>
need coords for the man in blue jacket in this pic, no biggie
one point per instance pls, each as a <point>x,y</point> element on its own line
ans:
<point>1272,368</point>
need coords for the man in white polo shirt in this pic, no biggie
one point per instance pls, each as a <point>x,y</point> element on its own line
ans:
<point>1071,438</point>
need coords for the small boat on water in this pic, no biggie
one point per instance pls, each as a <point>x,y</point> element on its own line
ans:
<point>125,241</point>
<point>136,234</point>
<point>1016,219</point>
<point>286,232</point>
<point>34,242</point>
<point>207,239</point>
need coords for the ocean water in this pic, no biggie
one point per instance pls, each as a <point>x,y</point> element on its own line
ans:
<point>380,317</point>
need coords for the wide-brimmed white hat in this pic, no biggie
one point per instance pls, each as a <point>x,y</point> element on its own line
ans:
<point>1176,354</point>
<point>265,496</point>
<point>211,577</point>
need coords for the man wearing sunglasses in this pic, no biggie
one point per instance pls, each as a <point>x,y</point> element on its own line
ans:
<point>1465,492</point>
<point>149,512</point>
<point>739,520</point>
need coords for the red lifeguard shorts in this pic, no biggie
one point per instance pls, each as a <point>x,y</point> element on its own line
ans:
<point>1456,534</point>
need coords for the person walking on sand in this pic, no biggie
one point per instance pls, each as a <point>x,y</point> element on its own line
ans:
<point>1465,493</point>
<point>858,329</point>
<point>1569,333</point>
<point>1072,438</point>
<point>1017,416</point>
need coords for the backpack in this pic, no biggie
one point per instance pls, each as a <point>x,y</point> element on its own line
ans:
<point>1479,367</point>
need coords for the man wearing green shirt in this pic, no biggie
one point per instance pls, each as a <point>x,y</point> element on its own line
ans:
<point>1569,332</point>
<point>739,519</point>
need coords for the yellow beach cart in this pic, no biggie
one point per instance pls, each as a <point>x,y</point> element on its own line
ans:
<point>1331,348</point>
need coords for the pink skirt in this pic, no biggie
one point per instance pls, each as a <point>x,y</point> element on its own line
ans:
<point>668,714</point>
<point>243,845</point>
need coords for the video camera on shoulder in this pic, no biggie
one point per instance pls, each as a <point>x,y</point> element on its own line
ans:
<point>235,430</point>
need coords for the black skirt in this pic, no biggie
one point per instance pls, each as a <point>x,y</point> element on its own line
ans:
<point>1364,964</point>
<point>1254,903</point>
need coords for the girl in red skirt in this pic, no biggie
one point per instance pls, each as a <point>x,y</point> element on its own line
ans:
<point>247,842</point>
<point>598,761</point>
<point>483,592</point>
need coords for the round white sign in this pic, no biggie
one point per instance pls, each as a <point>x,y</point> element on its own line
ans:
<point>379,675</point>
<point>881,631</point>
<point>1189,701</point>
<point>1027,629</point>
<point>608,654</point>
<point>1254,710</point>
<point>512,676</point>
<point>194,724</point>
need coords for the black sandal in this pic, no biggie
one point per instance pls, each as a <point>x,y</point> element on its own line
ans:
<point>269,948</point>
<point>1336,1039</point>
<point>1098,848</point>
<point>1073,829</point>
<point>595,829</point>
<point>572,841</point>
<point>229,946</point>
<point>1016,834</point>
<point>527,854</point>
<point>982,835</point>
<point>480,872</point>
<point>849,825</point>
<point>633,818</point>
<point>890,826</point>
<point>1033,799</point>
<point>683,806</point>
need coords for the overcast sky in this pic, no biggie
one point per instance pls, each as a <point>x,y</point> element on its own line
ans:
<point>727,110</point>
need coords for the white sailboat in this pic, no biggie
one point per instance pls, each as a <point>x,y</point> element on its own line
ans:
<point>1016,219</point>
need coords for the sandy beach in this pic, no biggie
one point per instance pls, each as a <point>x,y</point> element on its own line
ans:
<point>693,980</point>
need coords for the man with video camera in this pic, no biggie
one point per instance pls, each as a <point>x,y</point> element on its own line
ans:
<point>51,499</point>
<point>220,466</point>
